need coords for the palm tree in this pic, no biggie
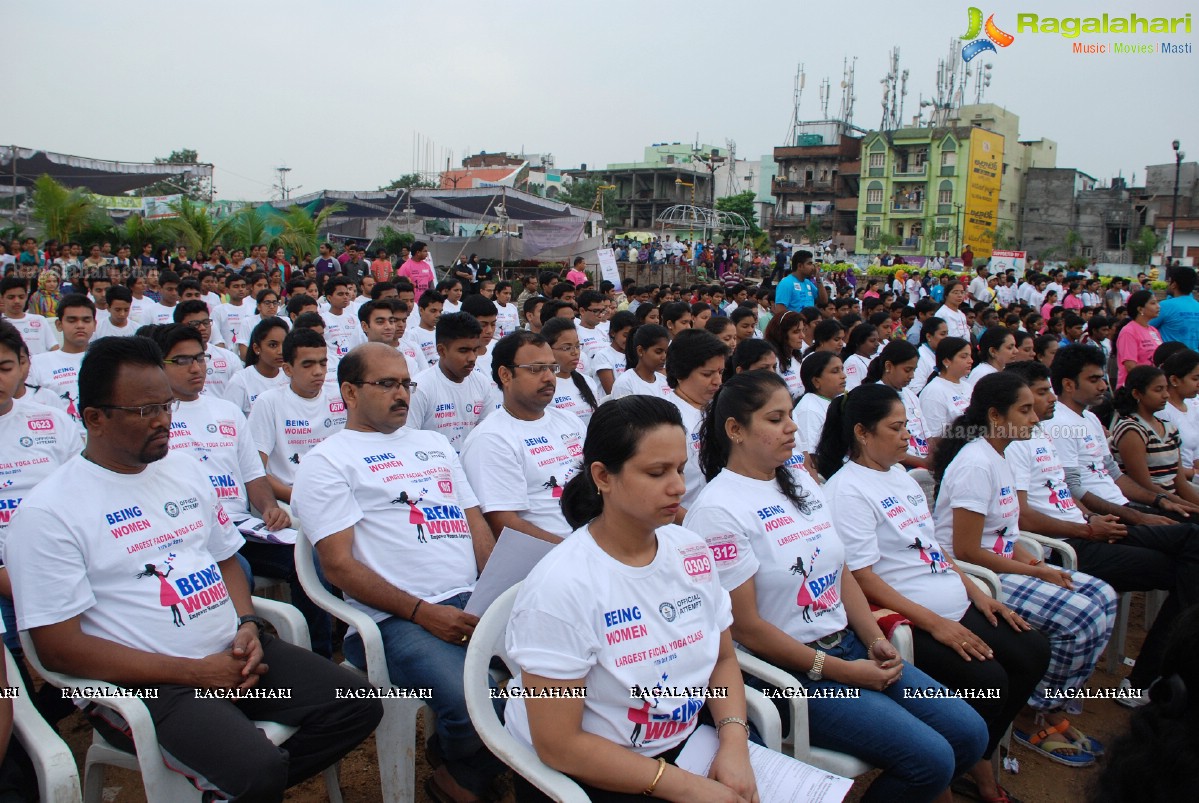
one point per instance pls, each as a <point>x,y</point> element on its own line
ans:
<point>136,231</point>
<point>193,226</point>
<point>300,228</point>
<point>247,226</point>
<point>64,213</point>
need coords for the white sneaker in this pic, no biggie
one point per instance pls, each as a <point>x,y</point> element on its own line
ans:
<point>1131,698</point>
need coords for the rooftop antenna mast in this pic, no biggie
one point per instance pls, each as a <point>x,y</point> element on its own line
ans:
<point>895,88</point>
<point>281,188</point>
<point>793,131</point>
<point>847,95</point>
<point>825,91</point>
<point>732,177</point>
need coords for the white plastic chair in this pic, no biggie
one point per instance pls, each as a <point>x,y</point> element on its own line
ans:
<point>57,774</point>
<point>487,643</point>
<point>1037,545</point>
<point>395,738</point>
<point>1115,649</point>
<point>161,783</point>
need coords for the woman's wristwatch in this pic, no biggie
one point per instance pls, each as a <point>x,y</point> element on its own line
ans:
<point>1157,500</point>
<point>816,673</point>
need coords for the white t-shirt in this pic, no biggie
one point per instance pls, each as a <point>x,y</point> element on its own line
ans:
<point>342,333</point>
<point>139,310</point>
<point>56,374</point>
<point>106,328</point>
<point>591,342</point>
<point>692,420</point>
<point>926,363</point>
<point>422,342</point>
<point>979,290</point>
<point>414,356</point>
<point>917,434</point>
<point>568,398</point>
<point>507,320</point>
<point>156,313</point>
<point>248,384</point>
<point>34,440</point>
<point>884,521</point>
<point>286,426</point>
<point>219,370</point>
<point>977,373</point>
<point>452,408</point>
<point>133,555</point>
<point>1040,474</point>
<point>1187,423</point>
<point>522,466</point>
<point>855,371</point>
<point>980,480</point>
<point>214,432</point>
<point>789,371</point>
<point>1080,443</point>
<point>809,416</point>
<point>794,557</point>
<point>406,497</point>
<point>629,384</point>
<point>226,322</point>
<point>610,359</point>
<point>37,332</point>
<point>942,402</point>
<point>449,307</point>
<point>583,614</point>
<point>955,322</point>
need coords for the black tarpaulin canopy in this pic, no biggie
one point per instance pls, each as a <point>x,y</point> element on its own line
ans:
<point>24,166</point>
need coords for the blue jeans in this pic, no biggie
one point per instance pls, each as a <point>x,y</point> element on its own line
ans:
<point>417,659</point>
<point>921,745</point>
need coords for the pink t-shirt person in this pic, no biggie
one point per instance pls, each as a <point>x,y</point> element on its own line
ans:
<point>419,273</point>
<point>1136,342</point>
<point>576,277</point>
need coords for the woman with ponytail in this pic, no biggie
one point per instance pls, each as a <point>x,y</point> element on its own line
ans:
<point>858,351</point>
<point>786,333</point>
<point>752,355</point>
<point>823,380</point>
<point>1147,448</point>
<point>694,369</point>
<point>827,335</point>
<point>645,354</point>
<point>1135,340</point>
<point>977,518</point>
<point>1182,378</point>
<point>894,367</point>
<point>723,329</point>
<point>996,348</point>
<point>795,604</point>
<point>575,393</point>
<point>932,332</point>
<point>623,559</point>
<point>946,396</point>
<point>884,520</point>
<point>264,365</point>
<point>609,363</point>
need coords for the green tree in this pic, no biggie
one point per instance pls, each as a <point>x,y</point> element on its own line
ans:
<point>743,205</point>
<point>251,225</point>
<point>136,231</point>
<point>1005,239</point>
<point>299,228</point>
<point>391,240</point>
<point>409,181</point>
<point>1144,246</point>
<point>194,189</point>
<point>194,227</point>
<point>1071,242</point>
<point>64,213</point>
<point>582,194</point>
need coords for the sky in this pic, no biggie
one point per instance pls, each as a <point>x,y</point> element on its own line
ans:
<point>341,92</point>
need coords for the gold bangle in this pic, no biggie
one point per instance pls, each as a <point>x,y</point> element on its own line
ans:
<point>876,641</point>
<point>649,791</point>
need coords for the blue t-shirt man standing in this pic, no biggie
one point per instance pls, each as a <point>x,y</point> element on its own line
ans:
<point>799,288</point>
<point>1178,319</point>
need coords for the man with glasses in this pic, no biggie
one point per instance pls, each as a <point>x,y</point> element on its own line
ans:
<point>451,396</point>
<point>592,338</point>
<point>220,364</point>
<point>519,459</point>
<point>398,529</point>
<point>287,422</point>
<point>167,615</point>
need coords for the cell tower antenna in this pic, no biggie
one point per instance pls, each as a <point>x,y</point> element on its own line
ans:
<point>793,131</point>
<point>847,95</point>
<point>281,188</point>
<point>825,91</point>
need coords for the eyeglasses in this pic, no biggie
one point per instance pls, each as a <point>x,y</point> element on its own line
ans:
<point>270,302</point>
<point>145,410</point>
<point>595,311</point>
<point>537,369</point>
<point>568,348</point>
<point>204,324</point>
<point>184,360</point>
<point>389,385</point>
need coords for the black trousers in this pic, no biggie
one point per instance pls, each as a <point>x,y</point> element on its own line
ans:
<point>214,741</point>
<point>1021,658</point>
<point>1150,557</point>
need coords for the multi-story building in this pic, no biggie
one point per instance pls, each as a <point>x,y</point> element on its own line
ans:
<point>817,181</point>
<point>1067,213</point>
<point>935,189</point>
<point>670,174</point>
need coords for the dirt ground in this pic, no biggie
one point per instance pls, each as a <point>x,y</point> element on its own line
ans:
<point>1039,780</point>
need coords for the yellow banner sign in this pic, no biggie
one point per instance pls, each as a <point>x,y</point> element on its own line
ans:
<point>984,173</point>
